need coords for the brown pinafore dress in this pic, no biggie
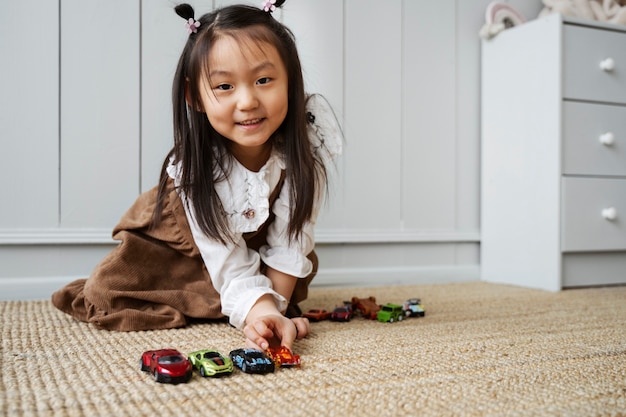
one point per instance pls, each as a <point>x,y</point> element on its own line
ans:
<point>155,278</point>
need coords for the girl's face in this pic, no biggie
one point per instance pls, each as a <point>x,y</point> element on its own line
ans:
<point>245,95</point>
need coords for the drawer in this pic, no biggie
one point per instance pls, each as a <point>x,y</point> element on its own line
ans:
<point>586,223</point>
<point>588,130</point>
<point>584,50</point>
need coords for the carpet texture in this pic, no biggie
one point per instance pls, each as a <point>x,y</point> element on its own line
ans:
<point>481,350</point>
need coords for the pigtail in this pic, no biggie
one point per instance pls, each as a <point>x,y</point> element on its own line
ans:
<point>186,11</point>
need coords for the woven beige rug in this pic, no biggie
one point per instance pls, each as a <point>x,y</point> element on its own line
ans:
<point>482,350</point>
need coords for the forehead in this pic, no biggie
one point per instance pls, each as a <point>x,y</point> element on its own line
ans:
<point>229,52</point>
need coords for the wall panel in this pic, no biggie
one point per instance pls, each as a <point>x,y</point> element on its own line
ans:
<point>429,115</point>
<point>29,113</point>
<point>372,83</point>
<point>100,75</point>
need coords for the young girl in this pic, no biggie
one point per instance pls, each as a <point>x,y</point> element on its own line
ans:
<point>229,229</point>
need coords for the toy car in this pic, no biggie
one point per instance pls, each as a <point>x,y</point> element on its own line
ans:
<point>317,314</point>
<point>390,312</point>
<point>283,356</point>
<point>252,361</point>
<point>367,307</point>
<point>166,365</point>
<point>211,362</point>
<point>413,308</point>
<point>342,313</point>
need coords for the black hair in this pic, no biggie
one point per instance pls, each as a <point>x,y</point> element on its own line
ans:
<point>203,153</point>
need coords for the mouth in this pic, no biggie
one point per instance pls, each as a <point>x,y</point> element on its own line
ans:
<point>250,122</point>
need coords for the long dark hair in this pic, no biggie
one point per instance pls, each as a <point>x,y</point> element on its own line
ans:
<point>203,153</point>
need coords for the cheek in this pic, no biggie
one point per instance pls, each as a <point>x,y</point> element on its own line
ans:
<point>284,113</point>
<point>219,123</point>
<point>282,105</point>
<point>214,111</point>
<point>216,117</point>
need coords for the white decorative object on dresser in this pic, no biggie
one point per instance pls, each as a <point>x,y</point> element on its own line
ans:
<point>553,198</point>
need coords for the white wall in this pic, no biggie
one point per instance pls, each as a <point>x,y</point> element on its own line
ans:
<point>85,124</point>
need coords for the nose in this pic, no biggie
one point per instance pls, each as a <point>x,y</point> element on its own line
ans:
<point>247,99</point>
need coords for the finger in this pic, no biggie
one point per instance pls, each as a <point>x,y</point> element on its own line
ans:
<point>303,327</point>
<point>252,345</point>
<point>254,338</point>
<point>286,333</point>
<point>263,329</point>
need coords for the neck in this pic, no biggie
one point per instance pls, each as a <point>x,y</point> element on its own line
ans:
<point>253,158</point>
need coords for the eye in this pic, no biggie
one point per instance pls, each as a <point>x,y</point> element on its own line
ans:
<point>264,80</point>
<point>223,87</point>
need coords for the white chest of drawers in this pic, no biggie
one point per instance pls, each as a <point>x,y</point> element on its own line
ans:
<point>553,198</point>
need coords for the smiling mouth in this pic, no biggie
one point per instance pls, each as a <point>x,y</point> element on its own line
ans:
<point>250,122</point>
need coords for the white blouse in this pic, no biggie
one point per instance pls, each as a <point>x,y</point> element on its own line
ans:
<point>235,270</point>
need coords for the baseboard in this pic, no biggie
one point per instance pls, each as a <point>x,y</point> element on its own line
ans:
<point>95,236</point>
<point>41,288</point>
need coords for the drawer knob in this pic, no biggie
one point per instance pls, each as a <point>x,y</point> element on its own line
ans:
<point>607,139</point>
<point>609,213</point>
<point>607,64</point>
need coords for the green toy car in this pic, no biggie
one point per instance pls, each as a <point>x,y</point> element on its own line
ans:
<point>211,362</point>
<point>390,312</point>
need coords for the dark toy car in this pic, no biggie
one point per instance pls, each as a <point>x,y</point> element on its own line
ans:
<point>317,314</point>
<point>252,361</point>
<point>343,312</point>
<point>211,362</point>
<point>166,365</point>
<point>283,356</point>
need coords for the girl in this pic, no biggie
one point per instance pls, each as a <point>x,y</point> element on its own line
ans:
<point>229,229</point>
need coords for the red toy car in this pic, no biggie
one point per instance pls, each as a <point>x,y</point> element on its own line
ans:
<point>166,365</point>
<point>317,314</point>
<point>342,313</point>
<point>282,356</point>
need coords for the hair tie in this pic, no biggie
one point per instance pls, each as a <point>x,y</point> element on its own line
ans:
<point>269,6</point>
<point>192,25</point>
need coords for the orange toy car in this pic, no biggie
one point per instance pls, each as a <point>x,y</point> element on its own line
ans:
<point>282,356</point>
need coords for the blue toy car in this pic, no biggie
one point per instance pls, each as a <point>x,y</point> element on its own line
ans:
<point>252,361</point>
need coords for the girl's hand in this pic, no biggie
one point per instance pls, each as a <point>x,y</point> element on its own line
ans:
<point>275,330</point>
